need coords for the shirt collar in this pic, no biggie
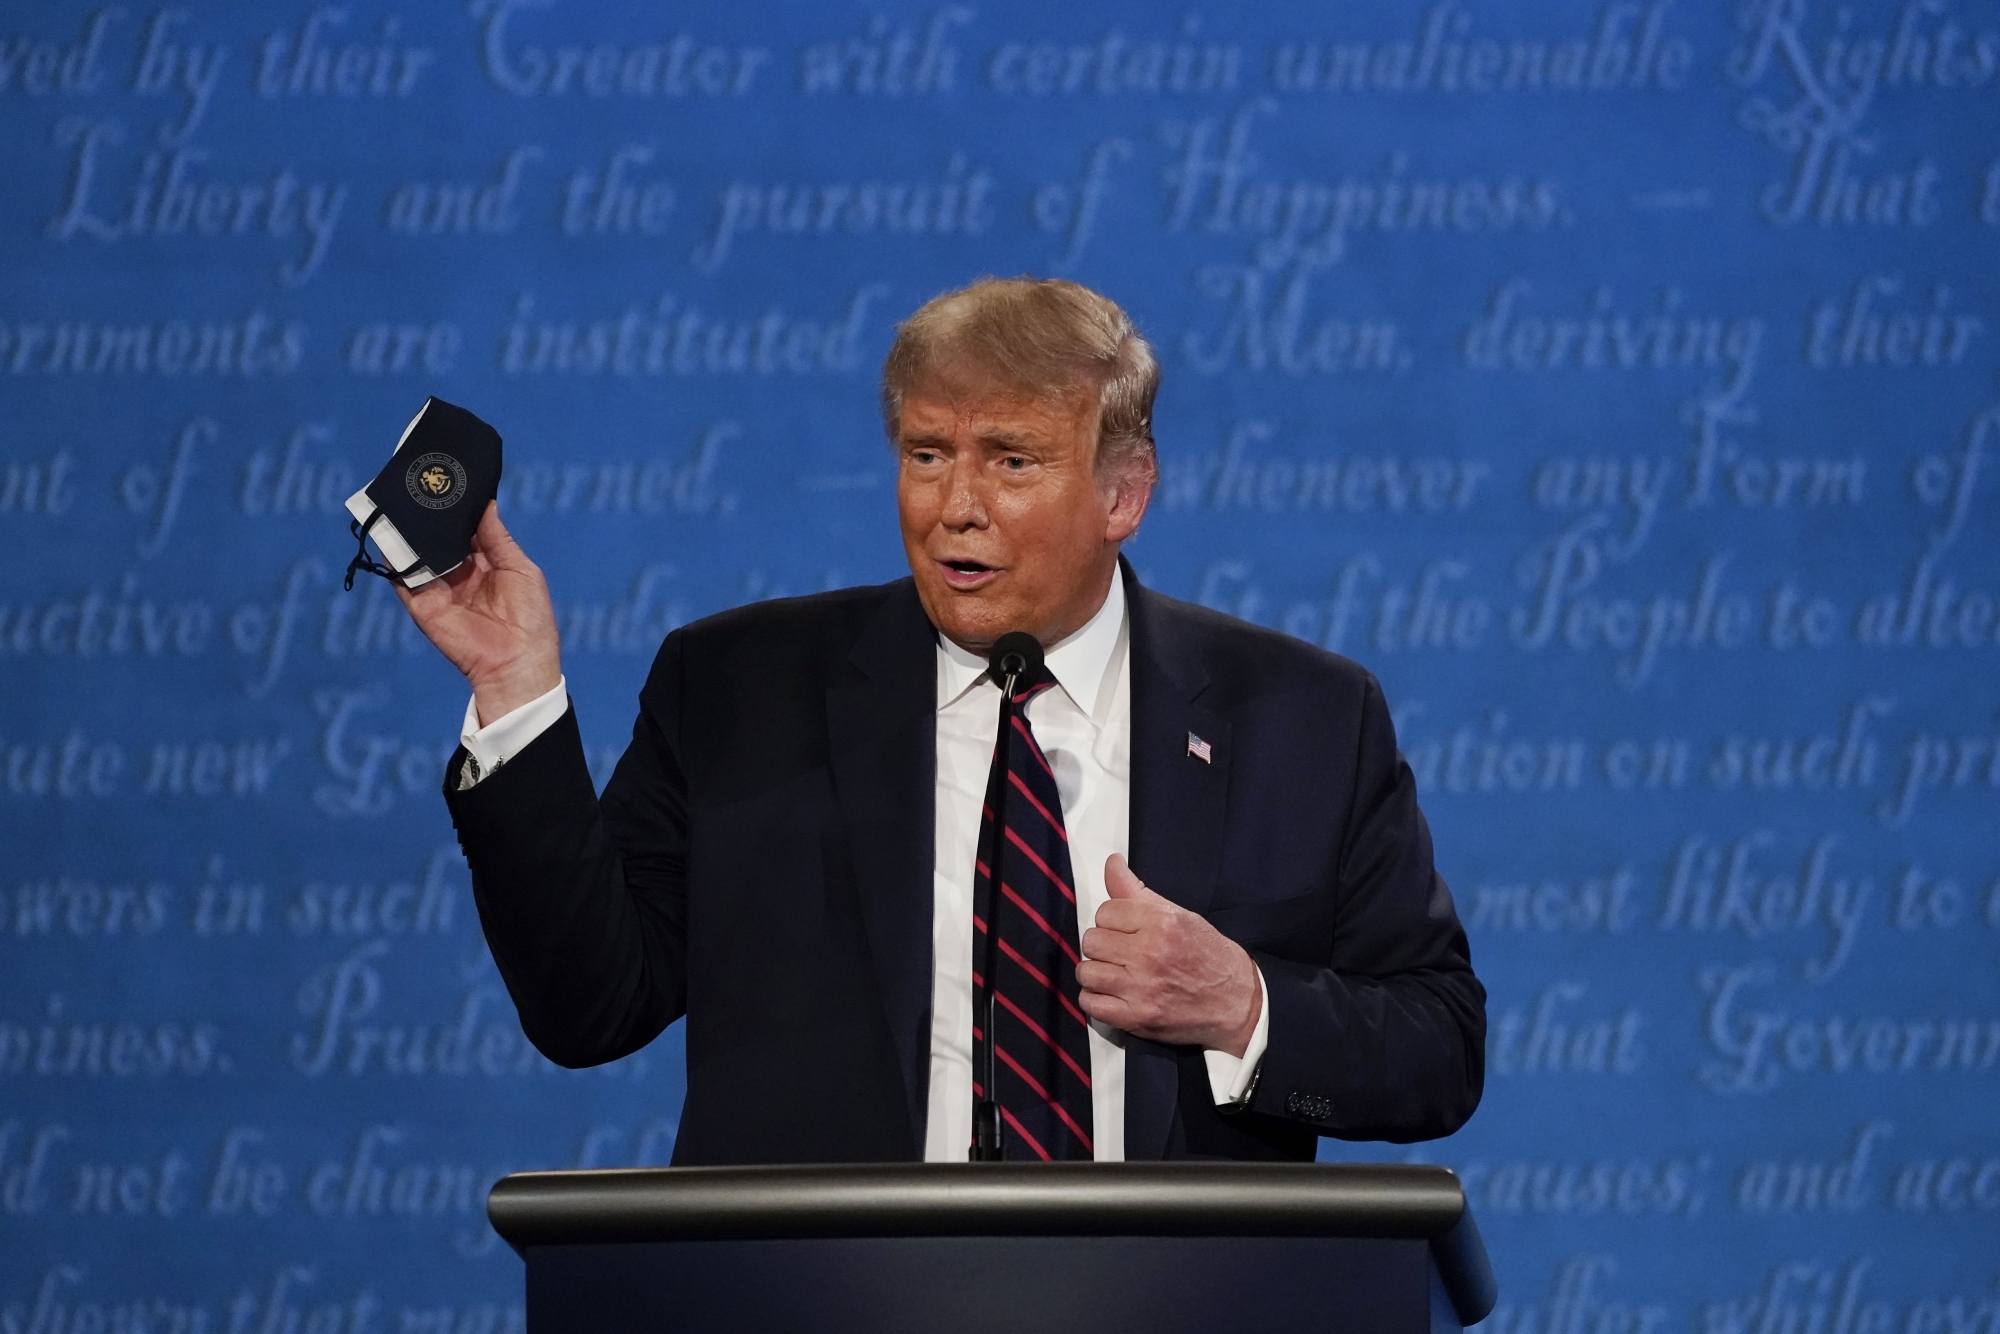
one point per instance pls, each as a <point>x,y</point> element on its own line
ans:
<point>1079,663</point>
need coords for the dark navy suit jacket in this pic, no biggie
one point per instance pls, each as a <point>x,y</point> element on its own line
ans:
<point>761,861</point>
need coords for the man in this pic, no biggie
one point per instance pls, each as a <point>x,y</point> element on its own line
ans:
<point>1217,929</point>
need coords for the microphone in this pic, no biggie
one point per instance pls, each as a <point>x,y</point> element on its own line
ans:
<point>1014,655</point>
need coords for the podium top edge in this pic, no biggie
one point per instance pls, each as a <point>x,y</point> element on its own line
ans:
<point>983,1199</point>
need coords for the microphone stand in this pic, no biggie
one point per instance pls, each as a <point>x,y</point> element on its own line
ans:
<point>988,1144</point>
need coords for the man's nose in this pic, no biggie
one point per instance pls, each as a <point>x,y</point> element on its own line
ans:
<point>964,507</point>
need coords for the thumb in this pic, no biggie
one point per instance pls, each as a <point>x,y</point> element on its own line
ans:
<point>1120,883</point>
<point>493,539</point>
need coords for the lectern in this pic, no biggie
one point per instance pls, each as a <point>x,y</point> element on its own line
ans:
<point>1150,1248</point>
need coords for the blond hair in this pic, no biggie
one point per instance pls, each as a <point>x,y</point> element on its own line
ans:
<point>1044,336</point>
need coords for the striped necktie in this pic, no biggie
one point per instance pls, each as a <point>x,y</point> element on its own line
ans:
<point>1042,1040</point>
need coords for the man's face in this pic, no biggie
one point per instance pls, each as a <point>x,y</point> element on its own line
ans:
<point>1006,523</point>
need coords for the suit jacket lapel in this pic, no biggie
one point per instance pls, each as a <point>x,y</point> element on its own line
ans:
<point>1178,804</point>
<point>882,722</point>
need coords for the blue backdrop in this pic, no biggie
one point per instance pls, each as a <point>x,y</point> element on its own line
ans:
<point>1614,379</point>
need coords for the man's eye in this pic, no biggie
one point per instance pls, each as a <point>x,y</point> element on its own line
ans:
<point>1013,463</point>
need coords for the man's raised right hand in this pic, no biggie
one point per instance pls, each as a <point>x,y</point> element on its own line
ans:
<point>492,617</point>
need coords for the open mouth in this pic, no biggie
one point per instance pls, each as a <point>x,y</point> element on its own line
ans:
<point>966,573</point>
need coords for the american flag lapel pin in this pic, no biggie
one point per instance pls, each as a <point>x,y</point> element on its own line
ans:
<point>1200,749</point>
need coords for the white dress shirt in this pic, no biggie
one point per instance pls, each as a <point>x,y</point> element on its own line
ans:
<point>508,735</point>
<point>1084,727</point>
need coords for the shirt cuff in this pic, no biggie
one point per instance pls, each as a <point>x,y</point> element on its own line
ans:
<point>1230,1078</point>
<point>501,740</point>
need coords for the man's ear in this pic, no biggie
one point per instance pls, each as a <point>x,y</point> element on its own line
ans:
<point>1131,489</point>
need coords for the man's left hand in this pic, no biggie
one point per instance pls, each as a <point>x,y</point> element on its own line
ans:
<point>1156,970</point>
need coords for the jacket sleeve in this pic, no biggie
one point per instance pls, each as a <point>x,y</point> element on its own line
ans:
<point>584,901</point>
<point>1387,1039</point>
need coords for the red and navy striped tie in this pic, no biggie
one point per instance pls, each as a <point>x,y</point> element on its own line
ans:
<point>1042,1052</point>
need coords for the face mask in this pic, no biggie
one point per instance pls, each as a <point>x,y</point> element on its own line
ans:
<point>422,509</point>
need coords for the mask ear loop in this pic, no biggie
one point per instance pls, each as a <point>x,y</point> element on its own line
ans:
<point>361,560</point>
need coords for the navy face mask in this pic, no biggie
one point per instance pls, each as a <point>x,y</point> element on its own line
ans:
<point>423,508</point>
